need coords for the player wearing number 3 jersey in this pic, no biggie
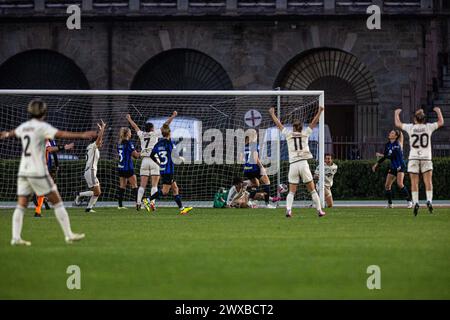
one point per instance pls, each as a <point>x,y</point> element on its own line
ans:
<point>148,139</point>
<point>299,154</point>
<point>420,153</point>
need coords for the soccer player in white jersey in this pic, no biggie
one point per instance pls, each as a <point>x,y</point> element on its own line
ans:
<point>330,170</point>
<point>148,138</point>
<point>33,176</point>
<point>90,170</point>
<point>299,154</point>
<point>419,160</point>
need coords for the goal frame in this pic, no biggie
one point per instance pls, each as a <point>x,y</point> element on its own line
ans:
<point>275,93</point>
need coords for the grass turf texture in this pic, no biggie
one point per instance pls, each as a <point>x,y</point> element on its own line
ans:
<point>230,254</point>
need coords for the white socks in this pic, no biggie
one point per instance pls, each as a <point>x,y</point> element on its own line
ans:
<point>17,222</point>
<point>154,190</point>
<point>430,196</point>
<point>140,195</point>
<point>86,194</point>
<point>415,196</point>
<point>289,200</point>
<point>92,202</point>
<point>63,219</point>
<point>316,200</point>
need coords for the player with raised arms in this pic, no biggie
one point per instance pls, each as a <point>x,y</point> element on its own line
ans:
<point>299,154</point>
<point>90,170</point>
<point>162,154</point>
<point>148,138</point>
<point>393,151</point>
<point>419,160</point>
<point>125,167</point>
<point>33,176</point>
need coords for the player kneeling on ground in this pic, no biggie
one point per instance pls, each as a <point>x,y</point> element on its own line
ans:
<point>330,170</point>
<point>163,149</point>
<point>299,155</point>
<point>419,160</point>
<point>238,196</point>
<point>33,176</point>
<point>90,171</point>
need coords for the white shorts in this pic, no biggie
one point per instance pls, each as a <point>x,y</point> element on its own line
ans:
<point>299,169</point>
<point>149,167</point>
<point>327,191</point>
<point>91,178</point>
<point>419,166</point>
<point>41,186</point>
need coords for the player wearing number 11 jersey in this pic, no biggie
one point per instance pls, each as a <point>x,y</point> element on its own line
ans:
<point>299,154</point>
<point>420,153</point>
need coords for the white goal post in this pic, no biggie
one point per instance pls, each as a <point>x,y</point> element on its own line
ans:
<point>80,109</point>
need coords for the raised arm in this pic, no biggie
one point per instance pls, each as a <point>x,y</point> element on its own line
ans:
<point>87,135</point>
<point>400,139</point>
<point>169,120</point>
<point>398,122</point>
<point>440,121</point>
<point>316,118</point>
<point>101,133</point>
<point>132,123</point>
<point>55,149</point>
<point>275,119</point>
<point>7,134</point>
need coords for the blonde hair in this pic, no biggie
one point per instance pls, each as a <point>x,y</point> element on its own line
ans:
<point>165,130</point>
<point>123,133</point>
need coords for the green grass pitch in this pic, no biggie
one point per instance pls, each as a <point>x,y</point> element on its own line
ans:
<point>231,254</point>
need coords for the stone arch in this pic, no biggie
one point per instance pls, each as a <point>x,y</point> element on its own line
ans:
<point>350,90</point>
<point>182,69</point>
<point>45,69</point>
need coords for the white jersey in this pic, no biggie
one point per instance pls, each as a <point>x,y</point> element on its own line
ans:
<point>148,141</point>
<point>298,146</point>
<point>420,140</point>
<point>34,134</point>
<point>329,172</point>
<point>92,157</point>
<point>233,194</point>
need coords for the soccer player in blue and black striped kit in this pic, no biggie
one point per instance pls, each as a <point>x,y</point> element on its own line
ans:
<point>393,151</point>
<point>162,155</point>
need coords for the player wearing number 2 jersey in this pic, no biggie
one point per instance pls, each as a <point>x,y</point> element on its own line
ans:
<point>33,176</point>
<point>419,160</point>
<point>299,154</point>
<point>148,139</point>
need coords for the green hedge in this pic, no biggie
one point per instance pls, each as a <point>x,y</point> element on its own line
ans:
<point>354,179</point>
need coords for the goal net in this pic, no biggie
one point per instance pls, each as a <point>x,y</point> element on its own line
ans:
<point>209,134</point>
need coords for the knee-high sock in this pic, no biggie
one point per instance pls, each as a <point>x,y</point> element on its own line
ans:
<point>289,200</point>
<point>429,195</point>
<point>40,202</point>
<point>92,202</point>
<point>177,199</point>
<point>415,196</point>
<point>266,189</point>
<point>155,194</point>
<point>134,191</point>
<point>63,219</point>
<point>316,200</point>
<point>86,194</point>
<point>140,195</point>
<point>17,222</point>
<point>120,197</point>
<point>252,193</point>
<point>388,194</point>
<point>405,193</point>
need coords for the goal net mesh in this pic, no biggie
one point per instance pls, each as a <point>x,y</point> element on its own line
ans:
<point>208,132</point>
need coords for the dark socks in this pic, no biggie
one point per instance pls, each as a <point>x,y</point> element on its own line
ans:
<point>252,193</point>
<point>135,193</point>
<point>266,189</point>
<point>177,199</point>
<point>156,195</point>
<point>120,197</point>
<point>388,194</point>
<point>405,192</point>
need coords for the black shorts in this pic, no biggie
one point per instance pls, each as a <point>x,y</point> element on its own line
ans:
<point>167,178</point>
<point>126,174</point>
<point>252,175</point>
<point>394,171</point>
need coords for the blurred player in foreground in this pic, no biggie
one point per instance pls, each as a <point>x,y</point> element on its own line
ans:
<point>33,176</point>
